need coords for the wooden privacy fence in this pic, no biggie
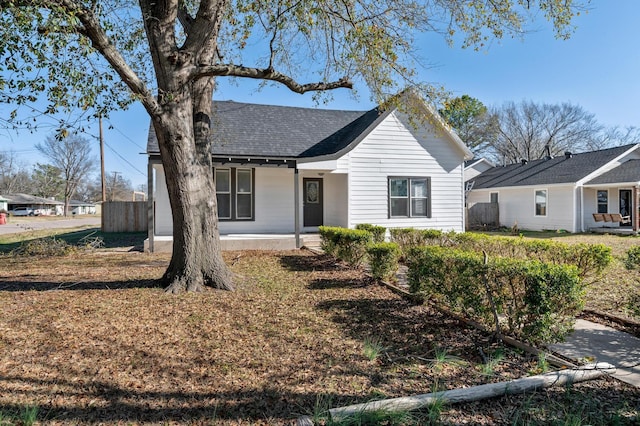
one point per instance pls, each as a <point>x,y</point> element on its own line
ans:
<point>124,216</point>
<point>482,215</point>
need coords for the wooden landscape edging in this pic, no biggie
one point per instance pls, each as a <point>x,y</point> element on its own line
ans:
<point>476,393</point>
<point>551,359</point>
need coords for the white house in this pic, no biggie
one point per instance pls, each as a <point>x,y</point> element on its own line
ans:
<point>286,171</point>
<point>565,193</point>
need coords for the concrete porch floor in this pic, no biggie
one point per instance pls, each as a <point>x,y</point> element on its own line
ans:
<point>613,230</point>
<point>232,242</point>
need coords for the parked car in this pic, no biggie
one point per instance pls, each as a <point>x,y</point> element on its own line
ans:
<point>24,211</point>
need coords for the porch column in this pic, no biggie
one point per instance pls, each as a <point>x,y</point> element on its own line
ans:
<point>296,204</point>
<point>636,208</point>
<point>150,202</point>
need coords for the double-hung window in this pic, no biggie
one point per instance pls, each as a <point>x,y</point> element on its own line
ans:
<point>234,193</point>
<point>603,201</point>
<point>541,202</point>
<point>409,197</point>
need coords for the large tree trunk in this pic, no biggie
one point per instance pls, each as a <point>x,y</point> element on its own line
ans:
<point>182,124</point>
<point>197,258</point>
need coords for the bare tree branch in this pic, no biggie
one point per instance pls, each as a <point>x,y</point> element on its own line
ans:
<point>268,74</point>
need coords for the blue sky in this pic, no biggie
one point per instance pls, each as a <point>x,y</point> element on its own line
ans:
<point>598,68</point>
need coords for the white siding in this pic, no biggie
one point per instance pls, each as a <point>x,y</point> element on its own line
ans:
<point>274,210</point>
<point>162,208</point>
<point>517,206</point>
<point>396,149</point>
<point>336,202</point>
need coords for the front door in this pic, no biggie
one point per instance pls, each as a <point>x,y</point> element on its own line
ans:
<point>626,204</point>
<point>312,198</point>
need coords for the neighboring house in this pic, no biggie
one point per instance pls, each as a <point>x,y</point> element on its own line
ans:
<point>43,206</point>
<point>81,207</point>
<point>563,193</point>
<point>473,168</point>
<point>285,170</point>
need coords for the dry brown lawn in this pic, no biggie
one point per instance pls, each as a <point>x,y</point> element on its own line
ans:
<point>88,339</point>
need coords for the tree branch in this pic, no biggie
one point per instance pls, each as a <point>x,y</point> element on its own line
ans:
<point>271,75</point>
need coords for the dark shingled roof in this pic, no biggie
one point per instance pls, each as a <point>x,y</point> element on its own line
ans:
<point>629,171</point>
<point>254,130</point>
<point>548,171</point>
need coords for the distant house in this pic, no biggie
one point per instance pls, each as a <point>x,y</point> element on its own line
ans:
<point>82,207</point>
<point>285,170</point>
<point>568,192</point>
<point>43,206</point>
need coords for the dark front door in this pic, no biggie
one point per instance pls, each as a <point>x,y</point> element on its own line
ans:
<point>626,204</point>
<point>312,199</point>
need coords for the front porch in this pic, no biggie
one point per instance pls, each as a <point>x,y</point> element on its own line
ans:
<point>613,230</point>
<point>231,242</point>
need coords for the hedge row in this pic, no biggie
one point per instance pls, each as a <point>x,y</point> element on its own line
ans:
<point>536,301</point>
<point>354,246</point>
<point>590,259</point>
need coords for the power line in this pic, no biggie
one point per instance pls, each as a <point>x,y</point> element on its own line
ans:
<point>124,159</point>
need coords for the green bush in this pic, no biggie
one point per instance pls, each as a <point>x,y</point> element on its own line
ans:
<point>538,301</point>
<point>383,260</point>
<point>632,261</point>
<point>346,244</point>
<point>378,232</point>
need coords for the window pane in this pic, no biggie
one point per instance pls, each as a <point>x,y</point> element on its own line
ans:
<point>419,207</point>
<point>244,181</point>
<point>419,188</point>
<point>223,180</point>
<point>243,206</point>
<point>224,206</point>
<point>603,201</point>
<point>494,197</point>
<point>399,207</point>
<point>541,203</point>
<point>398,188</point>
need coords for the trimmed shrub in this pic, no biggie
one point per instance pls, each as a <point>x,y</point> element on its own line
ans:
<point>383,260</point>
<point>346,244</point>
<point>378,232</point>
<point>537,300</point>
<point>632,261</point>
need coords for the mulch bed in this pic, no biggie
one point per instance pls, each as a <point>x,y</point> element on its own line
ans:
<point>89,340</point>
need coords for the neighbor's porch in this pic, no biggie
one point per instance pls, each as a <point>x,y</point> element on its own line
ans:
<point>611,208</point>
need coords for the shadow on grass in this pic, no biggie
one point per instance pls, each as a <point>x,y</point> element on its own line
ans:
<point>134,241</point>
<point>81,285</point>
<point>114,405</point>
<point>311,263</point>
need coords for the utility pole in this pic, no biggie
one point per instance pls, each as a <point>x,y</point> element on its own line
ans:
<point>102,175</point>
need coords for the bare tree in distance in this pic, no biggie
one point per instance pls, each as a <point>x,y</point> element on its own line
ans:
<point>72,155</point>
<point>167,54</point>
<point>14,175</point>
<point>530,131</point>
<point>118,188</point>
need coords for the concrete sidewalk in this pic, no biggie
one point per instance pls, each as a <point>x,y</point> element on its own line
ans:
<point>598,343</point>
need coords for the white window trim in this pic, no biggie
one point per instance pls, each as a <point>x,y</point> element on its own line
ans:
<point>250,193</point>
<point>598,203</point>
<point>546,202</point>
<point>228,171</point>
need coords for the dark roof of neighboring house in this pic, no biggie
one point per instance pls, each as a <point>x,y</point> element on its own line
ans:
<point>254,130</point>
<point>30,199</point>
<point>629,171</point>
<point>560,169</point>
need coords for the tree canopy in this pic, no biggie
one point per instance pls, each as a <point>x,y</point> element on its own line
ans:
<point>90,56</point>
<point>471,120</point>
